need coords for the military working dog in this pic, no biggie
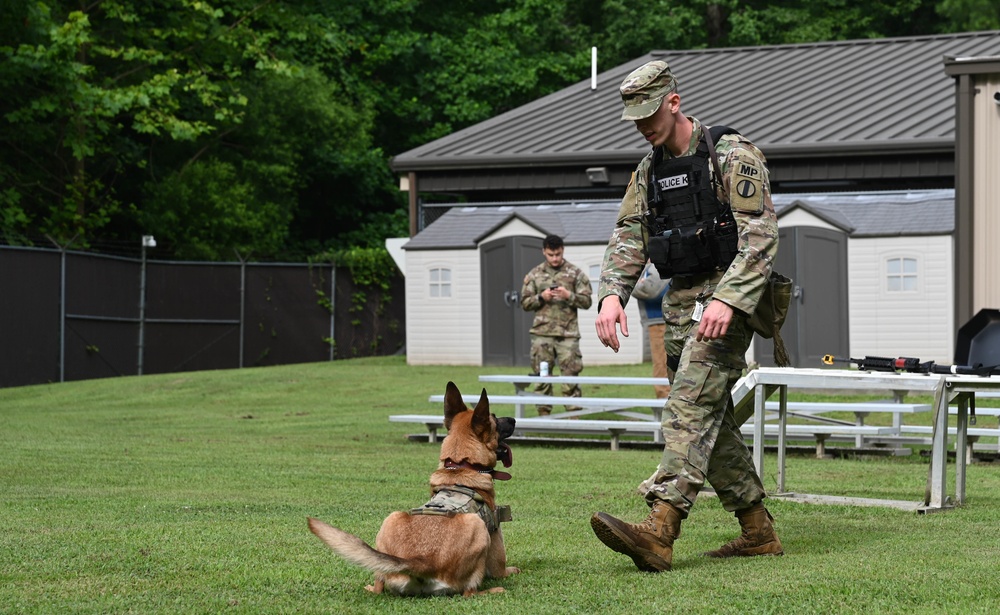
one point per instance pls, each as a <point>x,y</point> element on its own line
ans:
<point>451,543</point>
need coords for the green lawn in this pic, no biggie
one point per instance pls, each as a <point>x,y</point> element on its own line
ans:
<point>188,493</point>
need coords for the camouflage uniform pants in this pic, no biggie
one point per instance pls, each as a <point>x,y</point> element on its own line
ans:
<point>702,440</point>
<point>561,351</point>
<point>657,350</point>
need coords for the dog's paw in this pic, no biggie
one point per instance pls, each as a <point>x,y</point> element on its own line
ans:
<point>512,570</point>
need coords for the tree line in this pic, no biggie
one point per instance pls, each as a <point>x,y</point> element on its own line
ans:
<point>264,129</point>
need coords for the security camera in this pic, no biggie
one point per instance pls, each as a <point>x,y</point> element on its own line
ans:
<point>996,97</point>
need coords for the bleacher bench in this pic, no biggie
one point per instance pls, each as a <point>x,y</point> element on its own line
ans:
<point>616,429</point>
<point>972,435</point>
<point>590,405</point>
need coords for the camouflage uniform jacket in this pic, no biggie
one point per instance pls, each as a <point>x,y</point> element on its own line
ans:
<point>742,284</point>
<point>556,318</point>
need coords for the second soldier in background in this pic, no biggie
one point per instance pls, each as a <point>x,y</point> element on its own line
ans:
<point>555,290</point>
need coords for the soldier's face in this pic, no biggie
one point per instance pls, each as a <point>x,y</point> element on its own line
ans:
<point>659,127</point>
<point>553,257</point>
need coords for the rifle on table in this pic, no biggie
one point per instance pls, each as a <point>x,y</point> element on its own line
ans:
<point>912,365</point>
<point>909,364</point>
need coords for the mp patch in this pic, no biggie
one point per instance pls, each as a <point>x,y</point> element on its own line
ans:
<point>746,192</point>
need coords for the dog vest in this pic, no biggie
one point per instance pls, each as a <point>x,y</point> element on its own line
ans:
<point>457,499</point>
<point>690,230</point>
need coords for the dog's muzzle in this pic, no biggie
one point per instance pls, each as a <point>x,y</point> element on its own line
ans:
<point>505,429</point>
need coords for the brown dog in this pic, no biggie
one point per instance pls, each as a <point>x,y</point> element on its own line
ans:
<point>451,543</point>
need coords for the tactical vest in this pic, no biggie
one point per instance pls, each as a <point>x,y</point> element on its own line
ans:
<point>690,230</point>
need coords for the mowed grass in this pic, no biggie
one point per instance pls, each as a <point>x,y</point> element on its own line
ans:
<point>188,493</point>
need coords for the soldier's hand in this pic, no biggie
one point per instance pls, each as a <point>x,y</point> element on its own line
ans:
<point>715,321</point>
<point>612,314</point>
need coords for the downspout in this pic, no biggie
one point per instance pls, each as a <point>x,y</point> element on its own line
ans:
<point>411,180</point>
<point>964,209</point>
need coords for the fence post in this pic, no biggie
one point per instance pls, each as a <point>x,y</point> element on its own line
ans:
<point>243,302</point>
<point>333,310</point>
<point>62,303</point>
<point>148,241</point>
<point>62,314</point>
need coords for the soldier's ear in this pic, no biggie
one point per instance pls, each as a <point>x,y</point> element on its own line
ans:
<point>673,102</point>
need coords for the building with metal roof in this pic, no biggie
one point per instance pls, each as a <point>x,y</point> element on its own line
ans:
<point>873,114</point>
<point>888,146</point>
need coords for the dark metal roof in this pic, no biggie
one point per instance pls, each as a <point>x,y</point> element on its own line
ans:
<point>862,214</point>
<point>462,228</point>
<point>879,96</point>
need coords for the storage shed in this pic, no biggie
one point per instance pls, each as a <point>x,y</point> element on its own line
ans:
<point>874,271</point>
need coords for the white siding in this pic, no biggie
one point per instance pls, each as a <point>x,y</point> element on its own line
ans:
<point>798,217</point>
<point>514,228</point>
<point>443,330</point>
<point>911,324</point>
<point>594,353</point>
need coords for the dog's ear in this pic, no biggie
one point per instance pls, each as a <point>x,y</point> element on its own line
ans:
<point>482,421</point>
<point>453,404</point>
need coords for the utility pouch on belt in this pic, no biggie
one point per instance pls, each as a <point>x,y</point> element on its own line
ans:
<point>686,251</point>
<point>770,314</point>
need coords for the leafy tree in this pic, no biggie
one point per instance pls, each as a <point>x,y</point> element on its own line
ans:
<point>87,86</point>
<point>775,22</point>
<point>267,126</point>
<point>969,15</point>
<point>249,189</point>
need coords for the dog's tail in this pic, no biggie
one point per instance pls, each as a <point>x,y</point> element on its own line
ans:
<point>358,552</point>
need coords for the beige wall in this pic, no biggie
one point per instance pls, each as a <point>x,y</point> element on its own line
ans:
<point>986,194</point>
<point>916,323</point>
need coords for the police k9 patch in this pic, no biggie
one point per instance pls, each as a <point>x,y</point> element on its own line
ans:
<point>670,183</point>
<point>746,191</point>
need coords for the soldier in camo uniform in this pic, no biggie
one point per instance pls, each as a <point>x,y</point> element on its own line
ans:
<point>703,215</point>
<point>555,290</point>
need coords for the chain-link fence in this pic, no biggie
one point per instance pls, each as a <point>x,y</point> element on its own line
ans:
<point>68,315</point>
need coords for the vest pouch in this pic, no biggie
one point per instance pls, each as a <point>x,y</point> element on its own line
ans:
<point>693,251</point>
<point>686,251</point>
<point>726,243</point>
<point>770,314</point>
<point>659,254</point>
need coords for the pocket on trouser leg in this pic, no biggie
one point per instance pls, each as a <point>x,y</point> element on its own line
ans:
<point>731,471</point>
<point>691,423</point>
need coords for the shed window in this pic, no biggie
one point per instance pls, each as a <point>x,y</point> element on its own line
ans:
<point>440,282</point>
<point>901,275</point>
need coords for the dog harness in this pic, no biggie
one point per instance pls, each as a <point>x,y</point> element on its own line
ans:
<point>458,499</point>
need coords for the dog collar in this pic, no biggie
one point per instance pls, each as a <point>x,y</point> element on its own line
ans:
<point>465,465</point>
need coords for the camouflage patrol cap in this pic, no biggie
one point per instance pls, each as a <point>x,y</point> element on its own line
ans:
<point>644,89</point>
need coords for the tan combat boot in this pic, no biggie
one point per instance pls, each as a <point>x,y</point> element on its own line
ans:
<point>650,544</point>
<point>758,537</point>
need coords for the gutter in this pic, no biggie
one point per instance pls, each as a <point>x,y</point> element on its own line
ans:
<point>403,164</point>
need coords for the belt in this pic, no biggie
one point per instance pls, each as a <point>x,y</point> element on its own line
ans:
<point>690,281</point>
